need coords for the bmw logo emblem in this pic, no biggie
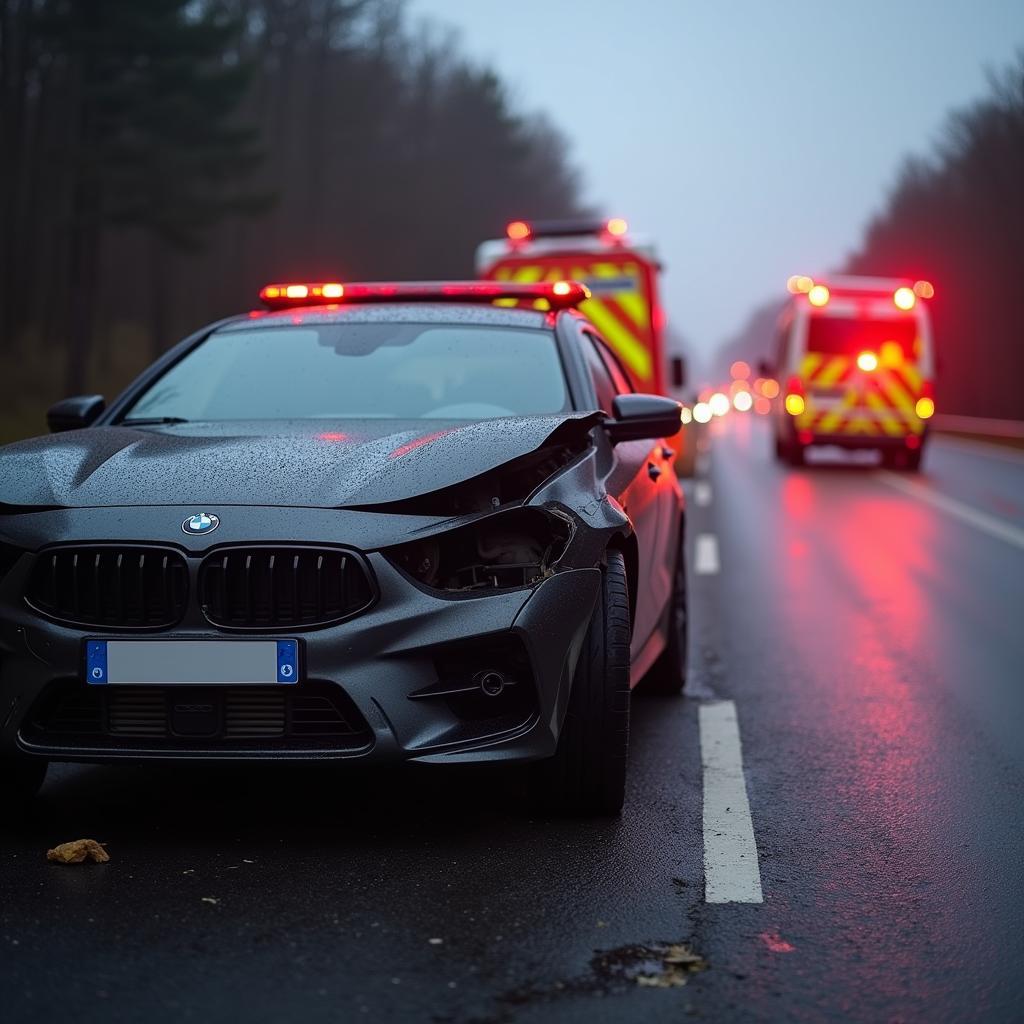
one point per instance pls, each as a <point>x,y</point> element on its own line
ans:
<point>201,522</point>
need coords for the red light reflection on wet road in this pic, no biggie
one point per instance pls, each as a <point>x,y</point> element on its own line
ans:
<point>857,614</point>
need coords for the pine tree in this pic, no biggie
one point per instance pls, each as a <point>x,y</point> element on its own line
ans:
<point>156,84</point>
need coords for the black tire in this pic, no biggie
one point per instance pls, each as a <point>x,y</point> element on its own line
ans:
<point>795,454</point>
<point>780,449</point>
<point>20,780</point>
<point>667,675</point>
<point>587,775</point>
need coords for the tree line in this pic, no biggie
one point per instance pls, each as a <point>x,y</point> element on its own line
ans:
<point>955,217</point>
<point>161,159</point>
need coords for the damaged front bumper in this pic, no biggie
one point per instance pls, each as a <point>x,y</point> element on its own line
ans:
<point>417,677</point>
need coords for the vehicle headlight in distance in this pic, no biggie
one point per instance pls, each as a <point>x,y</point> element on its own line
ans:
<point>511,549</point>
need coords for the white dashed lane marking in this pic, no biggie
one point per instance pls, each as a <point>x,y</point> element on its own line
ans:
<point>702,493</point>
<point>731,870</point>
<point>705,554</point>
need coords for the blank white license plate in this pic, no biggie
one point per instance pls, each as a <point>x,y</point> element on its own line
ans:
<point>191,662</point>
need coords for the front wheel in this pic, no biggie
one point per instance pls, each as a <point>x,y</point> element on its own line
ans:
<point>587,775</point>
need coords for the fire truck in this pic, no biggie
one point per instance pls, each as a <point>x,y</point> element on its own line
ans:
<point>856,361</point>
<point>621,271</point>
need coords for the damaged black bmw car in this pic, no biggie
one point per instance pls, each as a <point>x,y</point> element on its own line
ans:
<point>374,523</point>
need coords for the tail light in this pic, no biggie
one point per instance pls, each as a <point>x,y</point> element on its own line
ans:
<point>795,402</point>
<point>925,405</point>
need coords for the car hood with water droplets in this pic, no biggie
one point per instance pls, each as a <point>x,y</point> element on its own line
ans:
<point>317,465</point>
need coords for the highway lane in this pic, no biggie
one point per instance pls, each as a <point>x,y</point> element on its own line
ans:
<point>874,648</point>
<point>871,643</point>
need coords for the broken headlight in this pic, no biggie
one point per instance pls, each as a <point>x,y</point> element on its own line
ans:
<point>515,548</point>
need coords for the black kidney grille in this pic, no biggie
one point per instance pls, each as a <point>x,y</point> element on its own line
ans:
<point>270,588</point>
<point>122,587</point>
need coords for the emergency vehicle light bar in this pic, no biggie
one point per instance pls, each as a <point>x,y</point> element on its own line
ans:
<point>523,230</point>
<point>557,294</point>
<point>904,294</point>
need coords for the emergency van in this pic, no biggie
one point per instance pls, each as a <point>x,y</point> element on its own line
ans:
<point>855,358</point>
<point>621,272</point>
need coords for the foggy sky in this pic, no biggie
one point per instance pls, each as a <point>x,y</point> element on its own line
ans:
<point>753,140</point>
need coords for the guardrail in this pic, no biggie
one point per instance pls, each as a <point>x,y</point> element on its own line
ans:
<point>1008,430</point>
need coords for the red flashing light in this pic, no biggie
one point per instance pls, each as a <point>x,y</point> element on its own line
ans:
<point>557,294</point>
<point>924,290</point>
<point>281,296</point>
<point>518,230</point>
<point>740,370</point>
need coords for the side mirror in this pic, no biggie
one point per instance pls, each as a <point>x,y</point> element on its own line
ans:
<point>74,413</point>
<point>678,368</point>
<point>643,417</point>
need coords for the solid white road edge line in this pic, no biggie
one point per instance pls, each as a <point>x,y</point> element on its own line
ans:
<point>992,525</point>
<point>731,870</point>
<point>702,493</point>
<point>705,554</point>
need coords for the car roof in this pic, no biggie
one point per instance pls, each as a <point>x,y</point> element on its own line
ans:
<point>474,314</point>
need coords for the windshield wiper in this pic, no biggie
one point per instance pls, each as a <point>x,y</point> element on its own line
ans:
<point>148,421</point>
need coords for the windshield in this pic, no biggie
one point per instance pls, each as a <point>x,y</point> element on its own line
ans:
<point>834,335</point>
<point>388,370</point>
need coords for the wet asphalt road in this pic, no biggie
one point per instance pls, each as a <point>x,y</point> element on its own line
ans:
<point>872,639</point>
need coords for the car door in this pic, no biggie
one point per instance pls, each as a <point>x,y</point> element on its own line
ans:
<point>635,482</point>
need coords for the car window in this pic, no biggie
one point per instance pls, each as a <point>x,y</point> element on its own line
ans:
<point>620,378</point>
<point>393,370</point>
<point>897,337</point>
<point>604,386</point>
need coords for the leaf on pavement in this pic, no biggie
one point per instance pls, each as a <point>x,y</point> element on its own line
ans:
<point>77,852</point>
<point>684,956</point>
<point>678,962</point>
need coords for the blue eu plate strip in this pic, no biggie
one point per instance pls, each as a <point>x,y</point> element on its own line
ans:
<point>96,662</point>
<point>287,661</point>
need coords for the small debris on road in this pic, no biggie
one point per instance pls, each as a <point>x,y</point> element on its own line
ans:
<point>678,962</point>
<point>77,852</point>
<point>209,899</point>
<point>435,942</point>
